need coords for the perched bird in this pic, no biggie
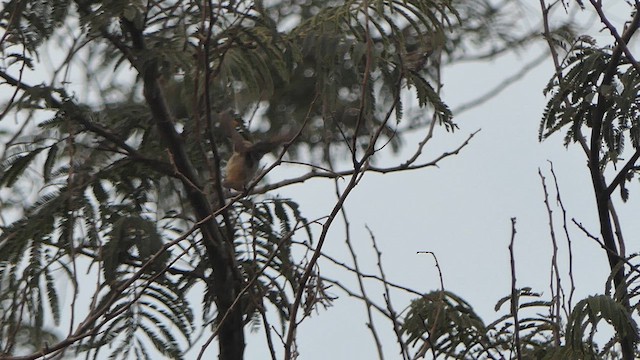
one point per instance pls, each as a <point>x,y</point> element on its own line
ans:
<point>243,164</point>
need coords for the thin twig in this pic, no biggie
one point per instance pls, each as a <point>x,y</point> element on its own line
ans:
<point>387,298</point>
<point>429,343</point>
<point>351,172</point>
<point>369,276</point>
<point>267,332</point>
<point>568,306</point>
<point>359,277</point>
<point>555,281</point>
<point>602,245</point>
<point>514,292</point>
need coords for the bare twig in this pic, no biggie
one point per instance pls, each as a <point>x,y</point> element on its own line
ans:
<point>351,172</point>
<point>312,262</point>
<point>555,282</point>
<point>429,343</point>
<point>602,245</point>
<point>568,306</point>
<point>359,277</point>
<point>514,292</point>
<point>547,35</point>
<point>387,298</point>
<point>630,29</point>
<point>370,276</point>
<point>267,332</point>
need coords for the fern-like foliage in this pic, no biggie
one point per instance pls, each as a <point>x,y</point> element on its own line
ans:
<point>267,233</point>
<point>371,43</point>
<point>446,325</point>
<point>573,100</point>
<point>537,330</point>
<point>583,323</point>
<point>31,23</point>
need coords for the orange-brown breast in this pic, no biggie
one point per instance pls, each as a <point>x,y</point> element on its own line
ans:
<point>237,175</point>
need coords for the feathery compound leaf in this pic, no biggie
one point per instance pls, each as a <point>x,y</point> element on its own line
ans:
<point>589,312</point>
<point>281,213</point>
<point>52,293</point>
<point>573,96</point>
<point>446,319</point>
<point>49,162</point>
<point>15,167</point>
<point>31,230</point>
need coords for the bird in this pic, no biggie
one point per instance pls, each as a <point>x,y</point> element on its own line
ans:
<point>244,161</point>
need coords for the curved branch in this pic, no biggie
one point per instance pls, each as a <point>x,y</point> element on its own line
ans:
<point>313,174</point>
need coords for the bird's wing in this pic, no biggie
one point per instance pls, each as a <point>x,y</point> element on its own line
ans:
<point>229,125</point>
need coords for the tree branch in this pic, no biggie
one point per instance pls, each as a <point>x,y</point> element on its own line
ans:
<point>226,277</point>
